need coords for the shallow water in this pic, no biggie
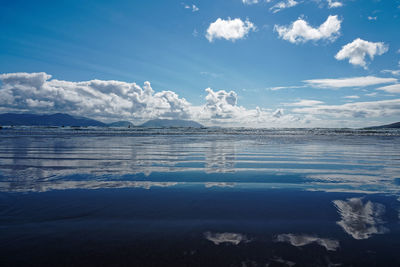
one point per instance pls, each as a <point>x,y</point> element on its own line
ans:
<point>199,197</point>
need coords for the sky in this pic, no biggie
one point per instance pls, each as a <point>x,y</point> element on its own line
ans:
<point>265,63</point>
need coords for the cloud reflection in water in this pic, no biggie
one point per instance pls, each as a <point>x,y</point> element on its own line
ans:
<point>223,184</point>
<point>303,240</point>
<point>360,220</point>
<point>230,238</point>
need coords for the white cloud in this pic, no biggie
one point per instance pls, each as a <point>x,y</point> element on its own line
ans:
<point>211,74</point>
<point>300,31</point>
<point>349,82</point>
<point>221,104</point>
<point>372,18</point>
<point>371,109</point>
<point>334,4</point>
<point>116,100</point>
<point>303,240</point>
<point>394,88</point>
<point>357,51</point>
<point>360,220</point>
<point>278,113</point>
<point>371,94</point>
<point>305,103</point>
<point>193,7</point>
<point>221,108</point>
<point>230,238</point>
<point>34,80</point>
<point>249,2</point>
<point>230,29</point>
<point>98,99</point>
<point>351,97</point>
<point>285,87</point>
<point>283,5</point>
<point>39,103</point>
<point>337,83</point>
<point>393,72</point>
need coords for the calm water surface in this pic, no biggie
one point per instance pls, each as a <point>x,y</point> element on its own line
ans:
<point>206,197</point>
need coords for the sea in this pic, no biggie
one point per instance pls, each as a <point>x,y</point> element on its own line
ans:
<point>73,196</point>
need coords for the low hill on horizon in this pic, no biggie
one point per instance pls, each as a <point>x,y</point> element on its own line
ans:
<point>161,123</point>
<point>395,125</point>
<point>121,124</point>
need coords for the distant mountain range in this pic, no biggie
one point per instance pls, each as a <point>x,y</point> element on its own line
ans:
<point>395,125</point>
<point>60,119</point>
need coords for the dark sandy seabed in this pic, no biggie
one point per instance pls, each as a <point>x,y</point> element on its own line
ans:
<point>199,197</point>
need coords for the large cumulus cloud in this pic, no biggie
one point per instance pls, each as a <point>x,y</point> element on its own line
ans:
<point>221,104</point>
<point>117,100</point>
<point>100,99</point>
<point>222,107</point>
<point>300,31</point>
<point>357,51</point>
<point>230,29</point>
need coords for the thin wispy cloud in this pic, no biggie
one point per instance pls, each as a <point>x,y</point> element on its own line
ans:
<point>305,103</point>
<point>283,5</point>
<point>249,2</point>
<point>393,72</point>
<point>351,97</point>
<point>394,88</point>
<point>373,109</point>
<point>349,82</point>
<point>371,94</point>
<point>334,4</point>
<point>276,88</point>
<point>337,83</point>
<point>192,7</point>
<point>210,74</point>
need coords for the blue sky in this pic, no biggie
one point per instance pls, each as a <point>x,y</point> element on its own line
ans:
<point>255,57</point>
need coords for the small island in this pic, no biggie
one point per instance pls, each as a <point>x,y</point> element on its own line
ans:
<point>395,125</point>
